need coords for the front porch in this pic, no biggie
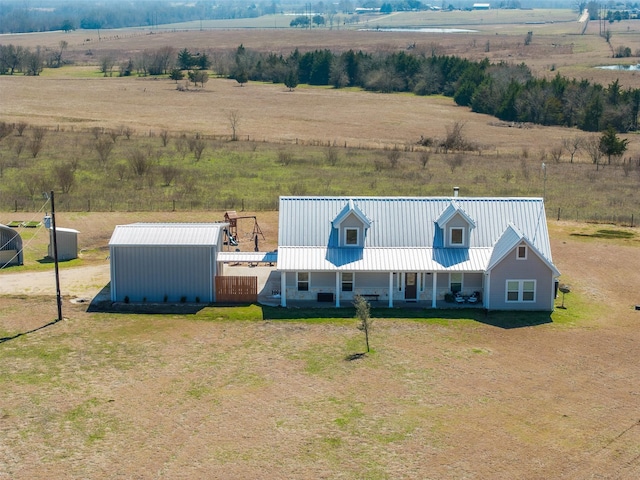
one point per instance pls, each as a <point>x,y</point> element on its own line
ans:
<point>383,289</point>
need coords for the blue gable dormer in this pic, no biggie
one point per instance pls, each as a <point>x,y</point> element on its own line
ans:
<point>350,226</point>
<point>455,226</point>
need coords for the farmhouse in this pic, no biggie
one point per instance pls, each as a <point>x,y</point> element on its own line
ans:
<point>493,252</point>
<point>164,262</point>
<point>10,247</point>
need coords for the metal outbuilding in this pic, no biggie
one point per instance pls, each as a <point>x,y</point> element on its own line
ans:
<point>165,262</point>
<point>67,241</point>
<point>10,247</point>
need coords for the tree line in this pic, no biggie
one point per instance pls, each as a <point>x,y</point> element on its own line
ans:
<point>17,16</point>
<point>507,91</point>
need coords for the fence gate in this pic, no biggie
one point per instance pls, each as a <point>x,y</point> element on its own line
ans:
<point>236,289</point>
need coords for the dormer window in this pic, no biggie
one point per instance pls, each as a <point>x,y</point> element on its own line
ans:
<point>457,236</point>
<point>351,224</point>
<point>456,226</point>
<point>351,237</point>
<point>521,252</point>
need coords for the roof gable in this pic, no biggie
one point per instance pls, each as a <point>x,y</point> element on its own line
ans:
<point>351,209</point>
<point>451,211</point>
<point>510,238</point>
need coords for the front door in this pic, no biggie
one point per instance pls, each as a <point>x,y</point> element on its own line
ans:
<point>410,286</point>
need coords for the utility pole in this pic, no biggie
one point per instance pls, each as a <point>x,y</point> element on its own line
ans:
<point>55,255</point>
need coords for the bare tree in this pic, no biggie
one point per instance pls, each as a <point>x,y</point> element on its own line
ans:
<point>64,174</point>
<point>5,130</point>
<point>169,173</point>
<point>196,146</point>
<point>106,65</point>
<point>139,161</point>
<point>592,147</point>
<point>331,156</point>
<point>182,146</point>
<point>21,127</point>
<point>393,156</point>
<point>572,145</point>
<point>285,158</point>
<point>234,121</point>
<point>454,162</point>
<point>424,158</point>
<point>126,131</point>
<point>113,135</point>
<point>104,147</point>
<point>37,139</point>
<point>454,137</point>
<point>164,135</point>
<point>556,153</point>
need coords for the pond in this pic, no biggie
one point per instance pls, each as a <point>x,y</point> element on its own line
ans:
<point>631,68</point>
<point>419,30</point>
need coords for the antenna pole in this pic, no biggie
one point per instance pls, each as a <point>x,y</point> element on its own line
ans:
<point>55,256</point>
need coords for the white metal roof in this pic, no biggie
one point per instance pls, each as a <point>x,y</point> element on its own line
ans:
<point>319,259</point>
<point>250,257</point>
<point>64,230</point>
<point>166,234</point>
<point>404,228</point>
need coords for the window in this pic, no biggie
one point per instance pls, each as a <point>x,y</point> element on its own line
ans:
<point>351,236</point>
<point>455,282</point>
<point>347,282</point>
<point>457,236</point>
<point>521,290</point>
<point>303,281</point>
<point>521,252</point>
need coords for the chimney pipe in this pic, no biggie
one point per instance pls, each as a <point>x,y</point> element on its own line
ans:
<point>456,190</point>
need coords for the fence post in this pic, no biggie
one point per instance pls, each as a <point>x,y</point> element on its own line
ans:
<point>15,206</point>
<point>632,220</point>
<point>558,213</point>
<point>88,205</point>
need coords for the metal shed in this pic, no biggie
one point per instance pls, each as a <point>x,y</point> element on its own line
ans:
<point>165,262</point>
<point>67,240</point>
<point>10,247</point>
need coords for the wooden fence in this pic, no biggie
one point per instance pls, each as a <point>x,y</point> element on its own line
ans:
<point>236,289</point>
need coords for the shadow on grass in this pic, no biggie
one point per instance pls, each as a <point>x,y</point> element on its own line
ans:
<point>22,334</point>
<point>102,303</point>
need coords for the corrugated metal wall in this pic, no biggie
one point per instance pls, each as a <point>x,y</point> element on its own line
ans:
<point>67,244</point>
<point>10,240</point>
<point>148,273</point>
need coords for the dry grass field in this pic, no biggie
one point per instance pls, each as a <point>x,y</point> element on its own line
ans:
<point>234,393</point>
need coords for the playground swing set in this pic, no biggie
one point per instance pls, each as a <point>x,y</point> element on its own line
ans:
<point>231,217</point>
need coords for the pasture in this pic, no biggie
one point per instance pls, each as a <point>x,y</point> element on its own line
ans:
<point>252,391</point>
<point>244,393</point>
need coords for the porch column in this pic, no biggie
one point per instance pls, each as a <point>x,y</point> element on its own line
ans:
<point>337,289</point>
<point>434,289</point>
<point>283,289</point>
<point>418,286</point>
<point>486,290</point>
<point>390,289</point>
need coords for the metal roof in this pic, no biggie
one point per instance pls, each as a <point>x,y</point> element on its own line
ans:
<point>166,234</point>
<point>319,259</point>
<point>404,223</point>
<point>250,257</point>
